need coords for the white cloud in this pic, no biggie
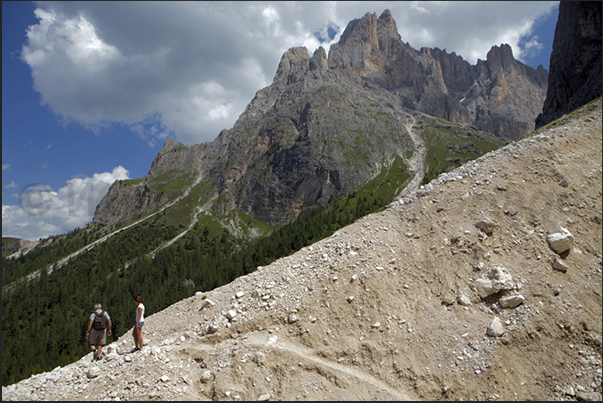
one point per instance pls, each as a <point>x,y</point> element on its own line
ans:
<point>42,212</point>
<point>189,69</point>
<point>12,184</point>
<point>5,167</point>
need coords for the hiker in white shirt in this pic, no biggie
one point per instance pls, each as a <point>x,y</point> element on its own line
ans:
<point>137,332</point>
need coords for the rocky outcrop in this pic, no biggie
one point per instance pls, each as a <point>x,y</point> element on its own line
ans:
<point>576,65</point>
<point>124,202</point>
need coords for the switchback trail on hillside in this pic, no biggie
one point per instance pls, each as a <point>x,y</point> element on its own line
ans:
<point>61,262</point>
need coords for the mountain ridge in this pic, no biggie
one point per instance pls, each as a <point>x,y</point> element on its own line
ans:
<point>307,129</point>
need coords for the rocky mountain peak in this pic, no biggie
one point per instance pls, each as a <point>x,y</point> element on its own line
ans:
<point>294,63</point>
<point>319,60</point>
<point>500,56</point>
<point>387,25</point>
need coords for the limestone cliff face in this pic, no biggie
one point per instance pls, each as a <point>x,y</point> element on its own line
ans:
<point>500,95</point>
<point>327,122</point>
<point>576,65</point>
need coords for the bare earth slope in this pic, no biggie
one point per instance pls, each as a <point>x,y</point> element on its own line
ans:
<point>389,307</point>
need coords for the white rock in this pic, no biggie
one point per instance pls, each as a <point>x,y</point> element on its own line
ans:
<point>496,328</point>
<point>207,303</point>
<point>511,301</point>
<point>239,294</point>
<point>292,318</point>
<point>497,279</point>
<point>165,378</point>
<point>206,376</point>
<point>231,314</point>
<point>561,241</point>
<point>463,300</point>
<point>263,398</point>
<point>93,371</point>
<point>256,293</point>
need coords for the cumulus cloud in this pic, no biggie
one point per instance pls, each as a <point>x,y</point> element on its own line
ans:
<point>42,212</point>
<point>5,167</point>
<point>188,69</point>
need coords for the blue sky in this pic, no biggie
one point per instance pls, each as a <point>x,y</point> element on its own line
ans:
<point>91,90</point>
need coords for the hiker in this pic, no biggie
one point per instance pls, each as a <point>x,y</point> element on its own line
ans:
<point>137,332</point>
<point>100,323</point>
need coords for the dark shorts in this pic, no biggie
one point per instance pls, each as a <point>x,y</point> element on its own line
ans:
<point>140,324</point>
<point>98,337</point>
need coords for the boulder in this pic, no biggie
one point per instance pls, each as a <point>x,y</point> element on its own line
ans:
<point>561,242</point>
<point>496,328</point>
<point>497,280</point>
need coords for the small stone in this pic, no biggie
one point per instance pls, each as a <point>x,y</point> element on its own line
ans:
<point>207,303</point>
<point>239,294</point>
<point>560,265</point>
<point>569,391</point>
<point>93,371</point>
<point>256,293</point>
<point>588,396</point>
<point>350,298</point>
<point>292,318</point>
<point>263,398</point>
<point>511,301</point>
<point>463,300</point>
<point>206,376</point>
<point>486,225</point>
<point>449,298</point>
<point>231,314</point>
<point>165,379</point>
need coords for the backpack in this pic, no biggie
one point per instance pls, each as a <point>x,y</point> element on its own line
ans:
<point>100,321</point>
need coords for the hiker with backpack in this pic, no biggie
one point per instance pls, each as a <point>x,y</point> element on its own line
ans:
<point>100,324</point>
<point>137,332</point>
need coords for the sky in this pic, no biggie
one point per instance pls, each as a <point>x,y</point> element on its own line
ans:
<point>91,90</point>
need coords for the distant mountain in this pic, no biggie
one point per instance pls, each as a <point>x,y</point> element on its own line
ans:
<point>328,124</point>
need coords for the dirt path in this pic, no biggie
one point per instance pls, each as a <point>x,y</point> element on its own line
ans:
<point>261,339</point>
